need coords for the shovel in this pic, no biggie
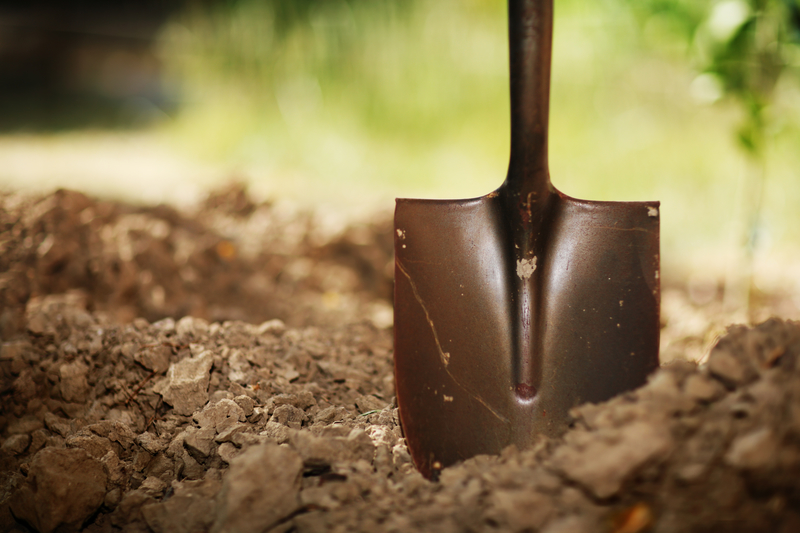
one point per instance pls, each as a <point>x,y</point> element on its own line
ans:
<point>512,308</point>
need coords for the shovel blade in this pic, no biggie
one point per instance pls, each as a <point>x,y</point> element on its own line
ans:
<point>595,325</point>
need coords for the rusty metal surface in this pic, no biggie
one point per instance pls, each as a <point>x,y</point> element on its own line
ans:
<point>512,308</point>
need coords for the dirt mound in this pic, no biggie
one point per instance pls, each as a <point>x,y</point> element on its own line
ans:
<point>196,423</point>
<point>231,260</point>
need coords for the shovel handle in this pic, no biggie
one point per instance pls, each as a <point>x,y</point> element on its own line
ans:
<point>530,35</point>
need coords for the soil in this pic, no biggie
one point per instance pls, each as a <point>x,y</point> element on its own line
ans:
<point>230,370</point>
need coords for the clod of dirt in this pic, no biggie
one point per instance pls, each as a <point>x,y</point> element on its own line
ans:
<point>63,488</point>
<point>260,489</point>
<point>190,509</point>
<point>601,461</point>
<point>155,358</point>
<point>74,386</point>
<point>220,416</point>
<point>186,385</point>
<point>320,453</point>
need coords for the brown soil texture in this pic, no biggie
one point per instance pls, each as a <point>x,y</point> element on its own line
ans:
<point>230,370</point>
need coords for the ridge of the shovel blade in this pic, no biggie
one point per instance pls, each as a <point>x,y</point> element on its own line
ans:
<point>597,334</point>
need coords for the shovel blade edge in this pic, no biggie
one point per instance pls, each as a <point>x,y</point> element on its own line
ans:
<point>596,331</point>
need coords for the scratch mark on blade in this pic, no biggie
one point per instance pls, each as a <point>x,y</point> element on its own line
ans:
<point>445,356</point>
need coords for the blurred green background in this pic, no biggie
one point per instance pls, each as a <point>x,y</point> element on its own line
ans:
<point>346,104</point>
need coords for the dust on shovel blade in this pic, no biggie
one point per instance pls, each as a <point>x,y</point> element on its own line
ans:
<point>512,308</point>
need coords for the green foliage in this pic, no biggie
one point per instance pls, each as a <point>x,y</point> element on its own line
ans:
<point>742,46</point>
<point>372,63</point>
<point>346,99</point>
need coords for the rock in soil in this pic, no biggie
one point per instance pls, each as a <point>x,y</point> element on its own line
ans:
<point>179,372</point>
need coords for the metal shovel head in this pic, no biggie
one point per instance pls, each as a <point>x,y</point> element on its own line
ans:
<point>492,350</point>
<point>512,308</point>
